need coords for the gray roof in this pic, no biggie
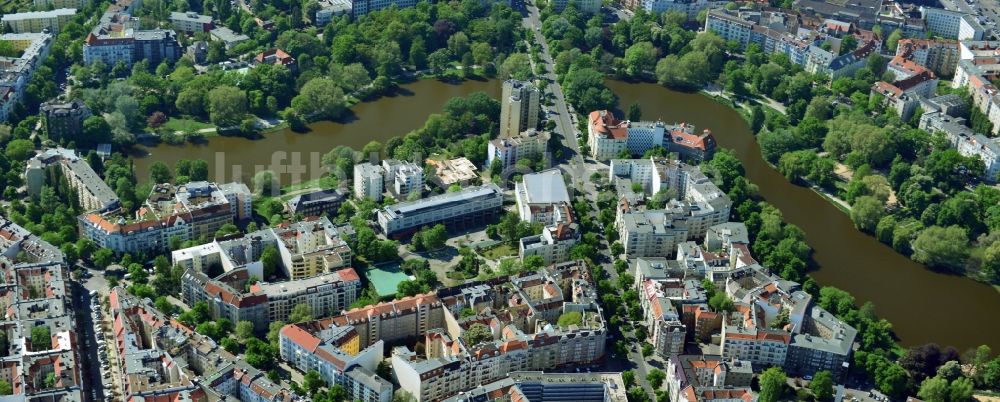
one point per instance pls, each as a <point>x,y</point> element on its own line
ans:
<point>443,200</point>
<point>837,337</point>
<point>546,187</point>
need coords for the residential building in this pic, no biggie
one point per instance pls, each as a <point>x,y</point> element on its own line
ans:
<point>533,341</point>
<point>537,386</point>
<point>64,120</point>
<point>666,332</point>
<point>317,202</point>
<point>940,56</point>
<point>198,51</point>
<point>368,181</point>
<point>190,22</point>
<point>542,197</point>
<point>913,84</point>
<point>92,192</point>
<point>690,8</point>
<point>708,378</point>
<point>819,61</point>
<point>967,142</point>
<point>519,107</point>
<point>609,138</point>
<point>307,248</point>
<point>277,57</point>
<point>774,31</point>
<point>952,24</point>
<point>775,323</point>
<point>584,6</point>
<point>117,38</point>
<point>404,179</point>
<point>228,36</point>
<point>56,4</point>
<point>978,66</point>
<point>38,21</point>
<point>187,212</point>
<point>526,144</point>
<point>553,244</point>
<point>471,206</point>
<point>37,293</point>
<point>16,72</point>
<point>449,172</point>
<point>696,205</point>
<point>864,13</point>
<point>361,8</point>
<point>331,8</point>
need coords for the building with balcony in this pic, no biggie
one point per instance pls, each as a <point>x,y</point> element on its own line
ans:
<point>190,22</point>
<point>519,107</point>
<point>469,207</point>
<point>38,21</point>
<point>92,192</point>
<point>527,144</point>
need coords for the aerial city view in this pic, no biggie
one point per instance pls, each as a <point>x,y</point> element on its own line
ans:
<point>499,200</point>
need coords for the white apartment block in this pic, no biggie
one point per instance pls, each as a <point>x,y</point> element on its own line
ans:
<point>37,21</point>
<point>552,245</point>
<point>368,181</point>
<point>92,192</point>
<point>951,24</point>
<point>508,151</point>
<point>403,179</point>
<point>360,8</point>
<point>518,107</point>
<point>967,142</point>
<point>609,138</point>
<point>45,4</point>
<point>190,22</point>
<point>691,8</point>
<point>668,333</point>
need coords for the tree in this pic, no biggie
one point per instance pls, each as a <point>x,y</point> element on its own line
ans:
<point>772,385</point>
<point>227,106</point>
<point>300,313</point>
<point>6,388</point>
<point>41,338</point>
<point>893,40</point>
<point>516,66</point>
<point>271,260</point>
<point>96,130</point>
<point>721,302</point>
<point>634,112</point>
<point>313,382</point>
<point>570,318</point>
<point>159,172</point>
<point>822,386</point>
<point>640,58</point>
<point>942,247</point>
<point>655,378</point>
<point>476,334</point>
<point>866,213</point>
<point>320,98</point>
<point>244,330</point>
<point>20,150</point>
<point>991,262</point>
<point>103,257</point>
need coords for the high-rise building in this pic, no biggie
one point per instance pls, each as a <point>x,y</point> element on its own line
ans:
<point>368,181</point>
<point>518,107</point>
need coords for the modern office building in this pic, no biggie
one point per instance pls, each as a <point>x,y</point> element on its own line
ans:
<point>519,107</point>
<point>38,21</point>
<point>192,211</point>
<point>117,38</point>
<point>92,192</point>
<point>64,119</point>
<point>526,144</point>
<point>332,8</point>
<point>368,181</point>
<point>190,22</point>
<point>471,206</point>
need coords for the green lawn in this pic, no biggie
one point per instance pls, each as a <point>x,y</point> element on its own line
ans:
<point>502,250</point>
<point>185,125</point>
<point>386,278</point>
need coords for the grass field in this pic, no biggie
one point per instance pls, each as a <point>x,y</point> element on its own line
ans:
<point>502,250</point>
<point>185,125</point>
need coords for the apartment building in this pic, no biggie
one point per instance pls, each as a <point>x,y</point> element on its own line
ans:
<point>913,84</point>
<point>190,22</point>
<point>37,294</point>
<point>56,4</point>
<point>519,107</point>
<point>667,333</point>
<point>331,8</point>
<point>777,324</point>
<point>609,138</point>
<point>339,357</point>
<point>526,144</point>
<point>952,24</point>
<point>939,55</point>
<point>92,192</point>
<point>979,64</point>
<point>584,6</point>
<point>553,244</point>
<point>317,203</point>
<point>38,21</point>
<point>690,8</point>
<point>696,205</point>
<point>307,248</point>
<point>537,386</point>
<point>360,8</point>
<point>967,142</point>
<point>276,57</point>
<point>469,207</point>
<point>775,31</point>
<point>708,378</point>
<point>368,181</point>
<point>16,72</point>
<point>542,197</point>
<point>64,119</point>
<point>449,172</point>
<point>117,38</point>
<point>519,342</point>
<point>404,179</point>
<point>191,211</point>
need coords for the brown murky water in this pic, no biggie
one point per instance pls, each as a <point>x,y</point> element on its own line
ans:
<point>922,305</point>
<point>288,151</point>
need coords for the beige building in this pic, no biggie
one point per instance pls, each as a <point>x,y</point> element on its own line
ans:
<point>92,193</point>
<point>36,21</point>
<point>518,107</point>
<point>45,4</point>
